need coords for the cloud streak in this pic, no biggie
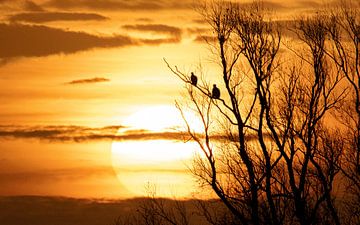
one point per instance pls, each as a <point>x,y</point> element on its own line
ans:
<point>42,17</point>
<point>20,40</point>
<point>120,4</point>
<point>205,39</point>
<point>51,175</point>
<point>89,81</point>
<point>86,134</point>
<point>155,28</point>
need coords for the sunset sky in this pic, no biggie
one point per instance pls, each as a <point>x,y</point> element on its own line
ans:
<point>87,102</point>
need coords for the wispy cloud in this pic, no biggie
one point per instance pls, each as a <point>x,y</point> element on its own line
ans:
<point>85,134</point>
<point>89,81</point>
<point>205,39</point>
<point>155,28</point>
<point>120,4</point>
<point>41,17</point>
<point>56,174</point>
<point>199,21</point>
<point>173,33</point>
<point>159,41</point>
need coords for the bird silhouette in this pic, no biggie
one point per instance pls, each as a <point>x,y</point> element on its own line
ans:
<point>194,79</point>
<point>215,92</point>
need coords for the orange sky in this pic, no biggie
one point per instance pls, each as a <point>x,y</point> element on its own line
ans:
<point>72,72</point>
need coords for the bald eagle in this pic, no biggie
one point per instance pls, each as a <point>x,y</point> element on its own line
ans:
<point>193,79</point>
<point>215,92</point>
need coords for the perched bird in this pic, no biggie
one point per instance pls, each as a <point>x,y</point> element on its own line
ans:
<point>193,79</point>
<point>215,92</point>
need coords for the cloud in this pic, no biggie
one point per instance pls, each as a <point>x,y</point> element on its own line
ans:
<point>19,40</point>
<point>286,28</point>
<point>41,17</point>
<point>85,134</point>
<point>174,33</point>
<point>89,81</point>
<point>159,41</point>
<point>199,21</point>
<point>198,30</point>
<point>155,28</point>
<point>39,210</point>
<point>205,39</point>
<point>56,174</point>
<point>121,4</point>
<point>31,6</point>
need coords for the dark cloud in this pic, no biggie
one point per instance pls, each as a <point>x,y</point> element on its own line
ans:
<point>199,21</point>
<point>201,33</point>
<point>155,28</point>
<point>39,210</point>
<point>31,6</point>
<point>41,17</point>
<point>205,39</point>
<point>159,41</point>
<point>83,134</point>
<point>56,174</point>
<point>19,40</point>
<point>89,81</point>
<point>197,30</point>
<point>120,4</point>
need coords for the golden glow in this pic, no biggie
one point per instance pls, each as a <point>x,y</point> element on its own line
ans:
<point>161,118</point>
<point>157,162</point>
<point>162,163</point>
<point>156,118</point>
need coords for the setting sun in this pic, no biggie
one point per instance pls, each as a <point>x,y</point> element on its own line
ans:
<point>162,163</point>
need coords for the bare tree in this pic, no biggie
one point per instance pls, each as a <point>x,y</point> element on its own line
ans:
<point>276,162</point>
<point>344,30</point>
<point>271,148</point>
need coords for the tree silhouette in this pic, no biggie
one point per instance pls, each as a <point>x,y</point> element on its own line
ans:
<point>282,153</point>
<point>279,142</point>
<point>344,33</point>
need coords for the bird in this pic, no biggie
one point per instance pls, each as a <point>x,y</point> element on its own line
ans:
<point>215,92</point>
<point>193,79</point>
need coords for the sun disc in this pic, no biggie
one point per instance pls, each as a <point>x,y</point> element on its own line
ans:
<point>163,163</point>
